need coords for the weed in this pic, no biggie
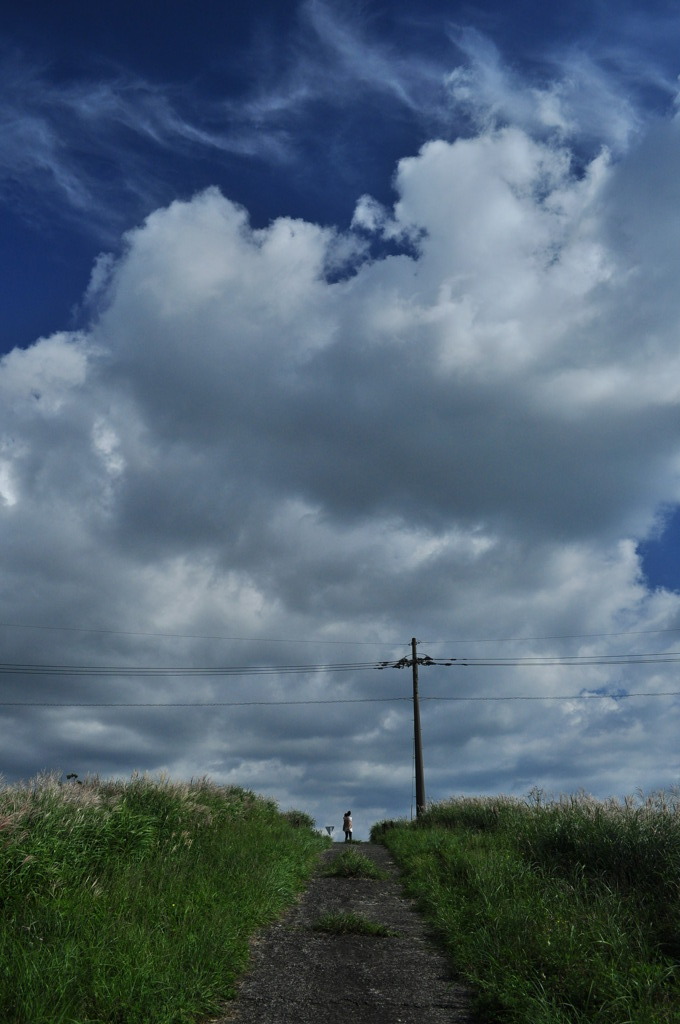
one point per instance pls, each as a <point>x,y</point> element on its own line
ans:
<point>134,900</point>
<point>562,912</point>
<point>352,924</point>
<point>351,864</point>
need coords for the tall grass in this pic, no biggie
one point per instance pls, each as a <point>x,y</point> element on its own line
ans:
<point>558,912</point>
<point>132,902</point>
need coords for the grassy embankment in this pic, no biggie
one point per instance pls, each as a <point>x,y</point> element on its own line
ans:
<point>566,912</point>
<point>132,902</point>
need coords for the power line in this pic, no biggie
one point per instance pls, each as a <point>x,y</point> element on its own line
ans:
<point>347,700</point>
<point>554,636</point>
<point>577,696</point>
<point>12,668</point>
<point>169,670</point>
<point>200,636</point>
<point>195,704</point>
<point>356,643</point>
<point>660,657</point>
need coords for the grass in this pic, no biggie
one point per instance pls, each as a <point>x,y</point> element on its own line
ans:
<point>557,912</point>
<point>133,902</point>
<point>351,864</point>
<point>351,924</point>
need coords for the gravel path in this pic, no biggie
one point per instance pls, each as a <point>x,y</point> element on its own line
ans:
<point>299,975</point>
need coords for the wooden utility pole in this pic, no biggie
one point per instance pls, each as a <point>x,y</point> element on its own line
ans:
<point>418,740</point>
<point>414,661</point>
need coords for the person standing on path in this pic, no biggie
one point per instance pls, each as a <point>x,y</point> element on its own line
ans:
<point>347,826</point>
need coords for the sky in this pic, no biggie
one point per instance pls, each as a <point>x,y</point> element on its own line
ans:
<point>326,326</point>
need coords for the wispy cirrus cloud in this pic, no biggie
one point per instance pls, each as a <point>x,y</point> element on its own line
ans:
<point>104,147</point>
<point>593,88</point>
<point>576,94</point>
<point>95,148</point>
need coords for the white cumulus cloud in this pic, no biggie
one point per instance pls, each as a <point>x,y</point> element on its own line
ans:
<point>462,441</point>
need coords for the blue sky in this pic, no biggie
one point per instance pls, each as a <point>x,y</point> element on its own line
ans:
<point>324,326</point>
<point>112,111</point>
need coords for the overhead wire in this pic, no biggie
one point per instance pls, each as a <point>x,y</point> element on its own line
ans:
<point>93,671</point>
<point>8,668</point>
<point>659,657</point>
<point>24,668</point>
<point>553,636</point>
<point>195,704</point>
<point>335,700</point>
<point>201,636</point>
<point>323,640</point>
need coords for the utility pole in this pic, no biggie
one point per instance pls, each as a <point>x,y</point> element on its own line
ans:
<point>414,661</point>
<point>417,737</point>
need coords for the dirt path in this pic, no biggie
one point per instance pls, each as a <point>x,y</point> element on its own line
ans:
<point>300,976</point>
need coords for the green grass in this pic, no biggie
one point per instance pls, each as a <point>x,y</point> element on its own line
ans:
<point>558,912</point>
<point>351,864</point>
<point>351,924</point>
<point>133,902</point>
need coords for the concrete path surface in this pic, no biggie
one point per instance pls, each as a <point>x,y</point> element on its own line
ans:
<point>299,975</point>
